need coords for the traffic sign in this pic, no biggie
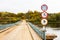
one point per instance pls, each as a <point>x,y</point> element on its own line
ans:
<point>44,14</point>
<point>44,7</point>
<point>44,22</point>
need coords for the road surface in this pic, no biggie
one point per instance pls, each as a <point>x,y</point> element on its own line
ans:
<point>21,32</point>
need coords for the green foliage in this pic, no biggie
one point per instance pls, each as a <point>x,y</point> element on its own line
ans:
<point>21,15</point>
<point>7,17</point>
<point>34,17</point>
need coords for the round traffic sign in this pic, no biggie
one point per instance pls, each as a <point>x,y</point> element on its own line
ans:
<point>44,22</point>
<point>44,14</point>
<point>44,7</point>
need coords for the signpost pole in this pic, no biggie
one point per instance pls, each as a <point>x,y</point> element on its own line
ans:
<point>44,34</point>
<point>44,21</point>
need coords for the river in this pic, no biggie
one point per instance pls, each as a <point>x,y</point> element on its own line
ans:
<point>55,31</point>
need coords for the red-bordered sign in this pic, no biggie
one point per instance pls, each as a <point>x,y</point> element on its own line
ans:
<point>44,14</point>
<point>44,7</point>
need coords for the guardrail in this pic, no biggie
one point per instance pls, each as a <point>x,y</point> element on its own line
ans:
<point>8,25</point>
<point>37,30</point>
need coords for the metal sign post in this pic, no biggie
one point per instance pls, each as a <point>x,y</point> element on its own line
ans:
<point>44,21</point>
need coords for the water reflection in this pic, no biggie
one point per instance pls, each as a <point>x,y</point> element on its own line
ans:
<point>52,31</point>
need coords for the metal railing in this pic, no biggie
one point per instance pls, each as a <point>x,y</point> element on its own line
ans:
<point>8,25</point>
<point>37,30</point>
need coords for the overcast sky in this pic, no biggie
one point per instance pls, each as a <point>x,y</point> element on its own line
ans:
<point>26,5</point>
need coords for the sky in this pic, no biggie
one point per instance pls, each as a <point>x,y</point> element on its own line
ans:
<point>16,6</point>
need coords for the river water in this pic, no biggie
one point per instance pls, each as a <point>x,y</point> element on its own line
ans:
<point>55,31</point>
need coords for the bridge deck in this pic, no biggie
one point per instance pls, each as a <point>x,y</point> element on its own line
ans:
<point>21,32</point>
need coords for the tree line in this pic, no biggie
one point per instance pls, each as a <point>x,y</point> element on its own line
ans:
<point>34,17</point>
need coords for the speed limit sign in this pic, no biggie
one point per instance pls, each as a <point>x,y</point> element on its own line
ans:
<point>44,14</point>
